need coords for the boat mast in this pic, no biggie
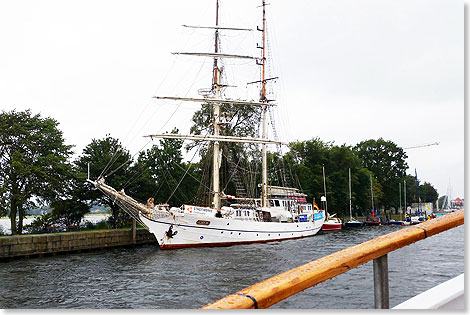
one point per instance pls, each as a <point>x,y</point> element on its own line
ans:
<point>350,202</point>
<point>324,188</point>
<point>264,179</point>
<point>216,111</point>
<point>404,195</point>
<point>371,194</point>
<point>399,194</point>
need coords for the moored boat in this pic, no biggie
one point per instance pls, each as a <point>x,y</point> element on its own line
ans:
<point>280,213</point>
<point>333,223</point>
<point>372,221</point>
<point>394,222</point>
<point>352,222</point>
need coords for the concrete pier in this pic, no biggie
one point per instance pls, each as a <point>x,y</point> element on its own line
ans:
<point>53,243</point>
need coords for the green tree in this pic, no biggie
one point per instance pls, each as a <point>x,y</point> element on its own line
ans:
<point>66,214</point>
<point>411,192</point>
<point>160,173</point>
<point>69,212</point>
<point>108,159</point>
<point>34,164</point>
<point>428,193</point>
<point>339,160</point>
<point>387,162</point>
<point>307,159</point>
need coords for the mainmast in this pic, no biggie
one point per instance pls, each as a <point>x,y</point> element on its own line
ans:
<point>264,179</point>
<point>350,197</point>
<point>216,110</point>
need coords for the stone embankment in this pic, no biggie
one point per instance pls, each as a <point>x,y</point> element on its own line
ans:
<point>54,243</point>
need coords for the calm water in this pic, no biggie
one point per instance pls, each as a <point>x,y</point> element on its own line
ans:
<point>146,277</point>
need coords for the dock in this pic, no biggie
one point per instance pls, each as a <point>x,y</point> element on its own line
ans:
<point>37,245</point>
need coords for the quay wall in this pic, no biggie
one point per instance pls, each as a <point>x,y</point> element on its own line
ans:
<point>54,243</point>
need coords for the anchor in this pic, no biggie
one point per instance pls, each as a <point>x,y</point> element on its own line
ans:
<point>170,232</point>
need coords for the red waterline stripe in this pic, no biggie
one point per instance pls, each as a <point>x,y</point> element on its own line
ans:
<point>220,244</point>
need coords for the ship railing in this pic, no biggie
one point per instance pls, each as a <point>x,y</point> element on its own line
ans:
<point>278,288</point>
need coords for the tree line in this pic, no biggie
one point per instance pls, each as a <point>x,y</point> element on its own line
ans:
<point>37,169</point>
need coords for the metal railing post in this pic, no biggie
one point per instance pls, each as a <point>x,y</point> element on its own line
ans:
<point>381,292</point>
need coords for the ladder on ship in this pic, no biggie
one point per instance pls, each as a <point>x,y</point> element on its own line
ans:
<point>240,186</point>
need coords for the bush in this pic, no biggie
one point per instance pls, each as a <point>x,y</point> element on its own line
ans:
<point>43,223</point>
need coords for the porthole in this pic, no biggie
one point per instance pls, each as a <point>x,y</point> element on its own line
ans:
<point>231,232</point>
<point>239,233</point>
<point>222,232</point>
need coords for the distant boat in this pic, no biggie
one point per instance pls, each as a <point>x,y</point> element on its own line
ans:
<point>415,219</point>
<point>331,223</point>
<point>352,222</point>
<point>372,221</point>
<point>393,222</point>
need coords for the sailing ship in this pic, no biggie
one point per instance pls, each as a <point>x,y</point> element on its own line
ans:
<point>280,213</point>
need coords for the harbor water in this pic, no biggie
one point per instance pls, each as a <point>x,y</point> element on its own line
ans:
<point>145,277</point>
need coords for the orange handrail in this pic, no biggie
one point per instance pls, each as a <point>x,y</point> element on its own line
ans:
<point>275,289</point>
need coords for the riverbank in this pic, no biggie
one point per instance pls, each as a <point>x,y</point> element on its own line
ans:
<point>33,245</point>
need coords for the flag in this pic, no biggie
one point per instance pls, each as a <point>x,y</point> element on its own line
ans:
<point>315,206</point>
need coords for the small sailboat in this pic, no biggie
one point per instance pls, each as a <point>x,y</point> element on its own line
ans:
<point>392,221</point>
<point>332,223</point>
<point>372,219</point>
<point>352,222</point>
<point>278,213</point>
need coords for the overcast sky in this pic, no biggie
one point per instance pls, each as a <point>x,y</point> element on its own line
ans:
<point>348,70</point>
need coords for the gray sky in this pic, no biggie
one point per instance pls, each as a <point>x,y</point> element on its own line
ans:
<point>349,70</point>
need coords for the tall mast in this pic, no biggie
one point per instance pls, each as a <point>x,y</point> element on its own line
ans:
<point>404,194</point>
<point>399,194</point>
<point>264,179</point>
<point>324,188</point>
<point>371,193</point>
<point>216,111</point>
<point>350,202</point>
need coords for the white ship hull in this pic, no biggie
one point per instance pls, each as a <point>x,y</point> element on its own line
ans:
<point>193,230</point>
